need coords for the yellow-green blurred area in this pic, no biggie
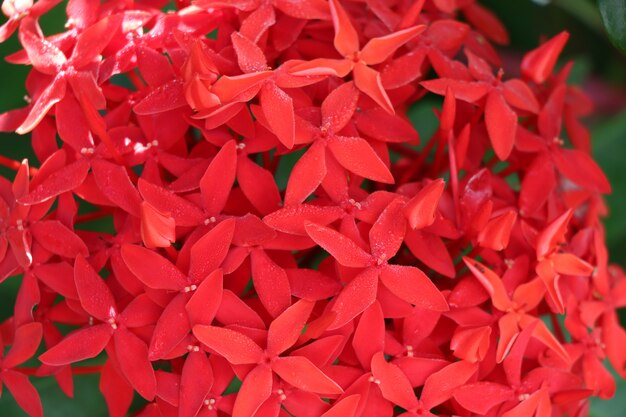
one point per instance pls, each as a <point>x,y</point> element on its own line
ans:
<point>599,69</point>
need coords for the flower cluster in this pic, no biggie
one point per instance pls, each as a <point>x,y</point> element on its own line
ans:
<point>281,242</point>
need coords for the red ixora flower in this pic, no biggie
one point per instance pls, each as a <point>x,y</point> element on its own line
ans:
<point>238,220</point>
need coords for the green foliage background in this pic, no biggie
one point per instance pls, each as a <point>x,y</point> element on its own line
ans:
<point>599,68</point>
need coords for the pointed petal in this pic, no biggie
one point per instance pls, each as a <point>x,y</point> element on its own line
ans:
<point>158,229</point>
<point>501,124</point>
<point>387,233</point>
<point>369,336</point>
<point>346,407</point>
<point>79,345</point>
<point>286,328</point>
<point>94,294</point>
<point>302,374</point>
<point>255,389</point>
<point>492,283</point>
<point>278,110</point>
<point>270,282</point>
<point>219,178</point>
<point>440,385</point>
<point>346,39</point>
<point>57,238</point>
<point>538,63</point>
<point>377,50</point>
<point>249,56</point>
<point>25,344</point>
<point>115,184</point>
<point>152,269</point>
<point>343,249</point>
<point>412,285</point>
<point>235,347</point>
<point>59,182</point>
<point>206,300</point>
<point>23,391</point>
<point>421,209</point>
<point>132,355</point>
<point>339,106</point>
<point>368,81</point>
<point>306,175</point>
<point>357,155</point>
<point>358,295</point>
<point>171,328</point>
<point>208,253</point>
<point>553,235</point>
<point>258,186</point>
<point>394,385</point>
<point>195,384</point>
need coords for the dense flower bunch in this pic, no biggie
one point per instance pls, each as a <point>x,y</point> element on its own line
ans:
<point>278,223</point>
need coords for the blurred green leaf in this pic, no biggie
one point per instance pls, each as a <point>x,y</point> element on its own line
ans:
<point>613,14</point>
<point>609,144</point>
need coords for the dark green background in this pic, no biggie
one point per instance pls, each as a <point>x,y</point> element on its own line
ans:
<point>600,69</point>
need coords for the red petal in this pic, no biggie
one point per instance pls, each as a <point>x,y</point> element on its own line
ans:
<point>43,55</point>
<point>64,180</point>
<point>270,282</point>
<point>57,238</point>
<point>169,96</point>
<point>339,107</point>
<point>369,336</point>
<point>346,39</point>
<point>302,374</point>
<point>480,397</point>
<point>387,233</point>
<point>132,355</point>
<point>235,347</point>
<point>25,344</point>
<point>368,81</point>
<point>184,212</point>
<point>206,300</point>
<point>497,232</point>
<point>255,389</point>
<point>115,184</point>
<point>172,327</point>
<point>116,391</point>
<point>286,328</point>
<point>219,178</point>
<point>94,294</point>
<point>582,170</point>
<point>394,385</point>
<point>258,186</point>
<point>23,392</point>
<point>553,235</point>
<point>346,407</point>
<point>249,56</point>
<point>208,253</point>
<point>379,49</point>
<point>358,156</point>
<point>538,64</point>
<point>278,110</point>
<point>344,250</point>
<point>158,230</point>
<point>421,209</point>
<point>431,250</point>
<point>412,285</point>
<point>492,283</point>
<point>152,269</point>
<point>79,345</point>
<point>195,383</point>
<point>440,385</point>
<point>358,295</point>
<point>306,175</point>
<point>501,124</point>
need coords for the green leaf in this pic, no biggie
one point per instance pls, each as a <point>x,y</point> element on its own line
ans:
<point>613,14</point>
